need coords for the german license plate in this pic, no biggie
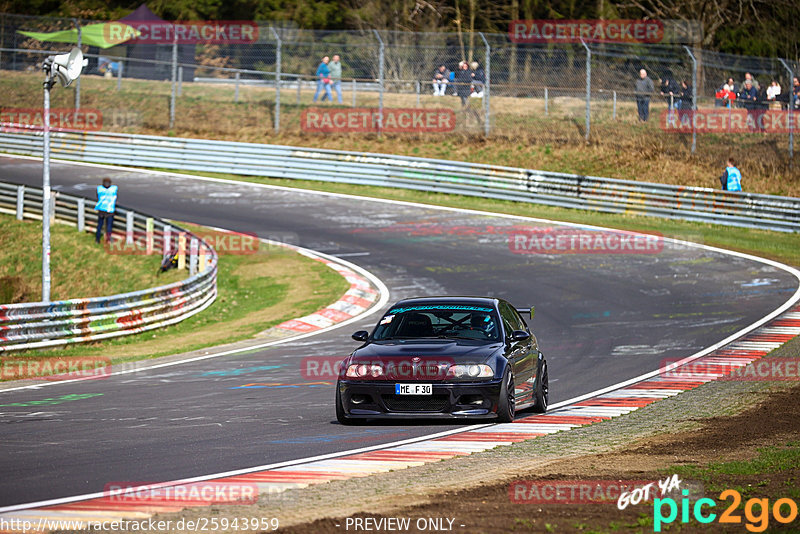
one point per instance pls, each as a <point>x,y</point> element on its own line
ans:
<point>413,389</point>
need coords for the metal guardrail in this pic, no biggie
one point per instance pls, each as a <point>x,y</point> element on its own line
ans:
<point>48,324</point>
<point>442,176</point>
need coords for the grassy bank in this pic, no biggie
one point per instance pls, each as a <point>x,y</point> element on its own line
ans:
<point>255,291</point>
<point>522,134</point>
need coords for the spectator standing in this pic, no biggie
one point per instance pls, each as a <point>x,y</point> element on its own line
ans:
<point>105,207</point>
<point>773,92</point>
<point>749,78</point>
<point>644,88</point>
<point>441,77</point>
<point>335,68</point>
<point>324,80</point>
<point>686,99</point>
<point>749,99</point>
<point>669,90</point>
<point>731,179</point>
<point>463,83</point>
<point>794,103</point>
<point>478,80</point>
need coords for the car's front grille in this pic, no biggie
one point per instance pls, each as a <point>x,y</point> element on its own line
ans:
<point>416,403</point>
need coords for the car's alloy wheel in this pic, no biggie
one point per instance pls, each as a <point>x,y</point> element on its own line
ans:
<point>506,403</point>
<point>340,416</point>
<point>542,390</point>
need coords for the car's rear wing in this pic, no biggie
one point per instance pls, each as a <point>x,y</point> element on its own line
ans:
<point>526,312</point>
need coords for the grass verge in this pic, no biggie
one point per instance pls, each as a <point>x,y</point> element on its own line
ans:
<point>255,291</point>
<point>523,135</point>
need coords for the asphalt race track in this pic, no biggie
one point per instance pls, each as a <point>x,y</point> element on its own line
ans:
<point>600,319</point>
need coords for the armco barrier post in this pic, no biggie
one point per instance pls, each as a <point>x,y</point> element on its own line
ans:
<point>81,214</point>
<point>20,202</point>
<point>545,101</point>
<point>614,110</point>
<point>201,258</point>
<point>129,228</point>
<point>167,244</point>
<point>193,256</point>
<point>354,92</point>
<point>149,231</point>
<point>181,251</point>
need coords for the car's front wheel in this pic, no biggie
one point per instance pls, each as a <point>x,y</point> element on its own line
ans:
<point>340,415</point>
<point>542,394</point>
<point>506,403</point>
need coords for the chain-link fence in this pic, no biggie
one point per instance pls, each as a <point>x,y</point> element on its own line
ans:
<point>476,84</point>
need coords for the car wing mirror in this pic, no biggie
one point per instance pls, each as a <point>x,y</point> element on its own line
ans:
<point>361,335</point>
<point>520,335</point>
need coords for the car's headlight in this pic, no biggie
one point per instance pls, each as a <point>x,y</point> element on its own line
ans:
<point>470,370</point>
<point>362,370</point>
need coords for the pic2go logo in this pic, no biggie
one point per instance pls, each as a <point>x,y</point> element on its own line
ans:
<point>756,511</point>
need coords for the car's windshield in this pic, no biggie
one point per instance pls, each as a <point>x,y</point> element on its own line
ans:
<point>445,320</point>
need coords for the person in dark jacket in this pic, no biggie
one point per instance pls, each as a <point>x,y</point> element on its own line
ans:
<point>644,88</point>
<point>686,100</point>
<point>669,90</point>
<point>463,82</point>
<point>748,96</point>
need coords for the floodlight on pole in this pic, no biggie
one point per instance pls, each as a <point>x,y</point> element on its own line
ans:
<point>65,68</point>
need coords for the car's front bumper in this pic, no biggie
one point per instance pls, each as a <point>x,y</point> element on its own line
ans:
<point>452,400</point>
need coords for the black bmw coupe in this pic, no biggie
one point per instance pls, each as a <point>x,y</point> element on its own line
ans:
<point>444,357</point>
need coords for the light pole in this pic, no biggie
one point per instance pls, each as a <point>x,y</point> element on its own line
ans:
<point>65,68</point>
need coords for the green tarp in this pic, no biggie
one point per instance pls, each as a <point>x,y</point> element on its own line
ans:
<point>103,35</point>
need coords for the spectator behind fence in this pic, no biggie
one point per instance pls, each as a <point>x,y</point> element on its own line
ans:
<point>478,80</point>
<point>731,179</point>
<point>795,96</point>
<point>324,80</point>
<point>644,88</point>
<point>753,81</point>
<point>773,92</point>
<point>669,89</point>
<point>748,97</point>
<point>105,207</point>
<point>726,94</point>
<point>441,77</point>
<point>335,68</point>
<point>463,82</point>
<point>685,100</point>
